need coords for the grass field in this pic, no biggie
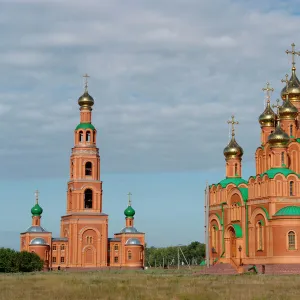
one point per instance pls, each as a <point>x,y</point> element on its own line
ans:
<point>150,284</point>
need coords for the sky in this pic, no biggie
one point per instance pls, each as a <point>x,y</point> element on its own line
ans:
<point>165,75</point>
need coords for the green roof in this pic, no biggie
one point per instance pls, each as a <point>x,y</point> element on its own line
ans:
<point>274,171</point>
<point>36,210</point>
<point>85,126</point>
<point>244,192</point>
<point>288,211</point>
<point>234,180</point>
<point>238,230</point>
<point>129,212</point>
<point>298,140</point>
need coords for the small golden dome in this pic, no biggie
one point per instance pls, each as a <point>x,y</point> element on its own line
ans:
<point>233,150</point>
<point>278,138</point>
<point>288,111</point>
<point>86,100</point>
<point>267,118</point>
<point>293,89</point>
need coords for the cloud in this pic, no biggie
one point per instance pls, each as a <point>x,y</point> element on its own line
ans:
<point>165,76</point>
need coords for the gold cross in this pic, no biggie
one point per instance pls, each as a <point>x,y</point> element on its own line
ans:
<point>36,196</point>
<point>277,106</point>
<point>129,200</point>
<point>286,80</point>
<point>268,89</point>
<point>293,52</point>
<point>86,76</point>
<point>232,122</point>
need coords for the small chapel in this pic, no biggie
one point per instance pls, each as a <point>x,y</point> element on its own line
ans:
<point>257,220</point>
<point>83,240</point>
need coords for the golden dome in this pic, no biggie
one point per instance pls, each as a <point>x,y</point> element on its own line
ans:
<point>293,88</point>
<point>233,149</point>
<point>86,100</point>
<point>288,111</point>
<point>278,138</point>
<point>267,118</point>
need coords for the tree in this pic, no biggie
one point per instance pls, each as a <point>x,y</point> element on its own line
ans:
<point>12,261</point>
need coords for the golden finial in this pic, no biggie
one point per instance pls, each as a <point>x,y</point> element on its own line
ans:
<point>268,89</point>
<point>277,106</point>
<point>232,122</point>
<point>36,197</point>
<point>129,200</point>
<point>86,76</point>
<point>293,52</point>
<point>286,80</point>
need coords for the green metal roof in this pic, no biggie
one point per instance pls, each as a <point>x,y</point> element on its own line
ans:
<point>288,211</point>
<point>234,180</point>
<point>244,192</point>
<point>238,230</point>
<point>85,126</point>
<point>274,171</point>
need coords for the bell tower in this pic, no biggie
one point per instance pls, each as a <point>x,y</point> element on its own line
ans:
<point>85,225</point>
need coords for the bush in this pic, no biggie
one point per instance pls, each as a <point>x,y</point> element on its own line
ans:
<point>14,261</point>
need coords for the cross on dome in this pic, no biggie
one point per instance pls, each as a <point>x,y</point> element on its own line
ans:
<point>86,76</point>
<point>293,52</point>
<point>129,200</point>
<point>268,89</point>
<point>232,122</point>
<point>36,196</point>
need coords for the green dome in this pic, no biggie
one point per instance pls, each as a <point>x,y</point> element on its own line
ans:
<point>129,212</point>
<point>36,210</point>
<point>288,211</point>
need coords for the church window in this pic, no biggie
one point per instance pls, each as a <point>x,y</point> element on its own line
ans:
<point>88,136</point>
<point>235,170</point>
<point>88,168</point>
<point>54,247</point>
<point>94,136</point>
<point>88,198</point>
<point>129,254</point>
<point>292,240</point>
<point>80,136</point>
<point>282,158</point>
<point>214,237</point>
<point>291,130</point>
<point>54,259</point>
<point>269,161</point>
<point>62,247</point>
<point>116,247</point>
<point>89,240</point>
<point>291,188</point>
<point>62,259</point>
<point>116,259</point>
<point>259,229</point>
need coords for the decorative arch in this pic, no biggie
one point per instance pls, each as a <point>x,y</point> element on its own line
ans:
<point>88,198</point>
<point>88,167</point>
<point>215,217</point>
<point>85,228</point>
<point>260,210</point>
<point>80,136</point>
<point>88,136</point>
<point>89,255</point>
<point>291,240</point>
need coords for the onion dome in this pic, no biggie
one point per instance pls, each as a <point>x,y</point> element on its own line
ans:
<point>233,149</point>
<point>129,212</point>
<point>292,88</point>
<point>38,242</point>
<point>86,100</point>
<point>278,138</point>
<point>267,118</point>
<point>288,111</point>
<point>36,211</point>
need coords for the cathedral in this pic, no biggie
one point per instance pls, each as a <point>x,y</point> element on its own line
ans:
<point>257,220</point>
<point>83,241</point>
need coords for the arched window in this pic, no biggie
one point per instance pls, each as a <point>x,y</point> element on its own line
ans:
<point>269,161</point>
<point>116,247</point>
<point>259,229</point>
<point>88,136</point>
<point>282,158</point>
<point>214,237</point>
<point>291,188</point>
<point>129,254</point>
<point>235,170</point>
<point>89,240</point>
<point>80,136</point>
<point>88,168</point>
<point>62,247</point>
<point>88,198</point>
<point>291,240</point>
<point>94,136</point>
<point>291,130</point>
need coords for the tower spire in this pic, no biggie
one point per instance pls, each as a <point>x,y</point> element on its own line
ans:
<point>232,122</point>
<point>36,197</point>
<point>293,53</point>
<point>129,200</point>
<point>86,76</point>
<point>268,89</point>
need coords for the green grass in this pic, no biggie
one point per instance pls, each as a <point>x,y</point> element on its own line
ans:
<point>144,285</point>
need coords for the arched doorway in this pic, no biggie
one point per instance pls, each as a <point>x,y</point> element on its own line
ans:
<point>232,238</point>
<point>88,256</point>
